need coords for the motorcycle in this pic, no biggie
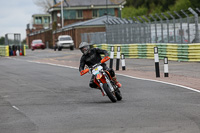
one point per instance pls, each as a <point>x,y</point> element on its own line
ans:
<point>104,81</point>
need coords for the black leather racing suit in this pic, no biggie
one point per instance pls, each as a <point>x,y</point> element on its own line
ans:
<point>93,57</point>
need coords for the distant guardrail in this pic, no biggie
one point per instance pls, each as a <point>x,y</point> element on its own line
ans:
<point>175,52</point>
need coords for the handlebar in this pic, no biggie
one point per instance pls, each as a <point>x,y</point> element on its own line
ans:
<point>87,69</point>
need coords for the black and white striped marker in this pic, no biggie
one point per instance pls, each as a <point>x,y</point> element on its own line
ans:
<point>111,56</point>
<point>123,62</point>
<point>156,58</point>
<point>118,57</point>
<point>166,70</point>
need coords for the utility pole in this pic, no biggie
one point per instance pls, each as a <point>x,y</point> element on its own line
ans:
<point>62,13</point>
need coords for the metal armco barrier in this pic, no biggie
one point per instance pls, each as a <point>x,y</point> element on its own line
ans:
<point>175,52</point>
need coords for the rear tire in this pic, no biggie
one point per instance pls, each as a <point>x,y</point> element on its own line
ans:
<point>110,94</point>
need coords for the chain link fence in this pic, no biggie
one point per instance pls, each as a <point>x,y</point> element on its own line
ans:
<point>142,30</point>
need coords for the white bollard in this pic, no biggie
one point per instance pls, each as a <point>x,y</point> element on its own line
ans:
<point>123,62</point>
<point>118,57</point>
<point>156,58</point>
<point>166,70</point>
<point>111,56</point>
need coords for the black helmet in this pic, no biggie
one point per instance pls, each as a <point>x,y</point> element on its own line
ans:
<point>84,47</point>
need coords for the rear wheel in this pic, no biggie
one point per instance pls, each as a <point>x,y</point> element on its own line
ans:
<point>110,94</point>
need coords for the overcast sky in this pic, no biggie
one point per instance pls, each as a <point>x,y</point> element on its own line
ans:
<point>15,15</point>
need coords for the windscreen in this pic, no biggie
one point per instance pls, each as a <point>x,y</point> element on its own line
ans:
<point>65,39</point>
<point>37,41</point>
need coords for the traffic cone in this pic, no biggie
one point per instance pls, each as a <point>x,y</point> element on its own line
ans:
<point>21,52</point>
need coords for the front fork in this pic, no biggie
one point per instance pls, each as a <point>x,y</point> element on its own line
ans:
<point>108,82</point>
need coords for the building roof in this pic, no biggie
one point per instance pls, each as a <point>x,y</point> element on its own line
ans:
<point>82,3</point>
<point>92,22</point>
<point>34,15</point>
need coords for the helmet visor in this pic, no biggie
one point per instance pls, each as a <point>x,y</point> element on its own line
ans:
<point>85,50</point>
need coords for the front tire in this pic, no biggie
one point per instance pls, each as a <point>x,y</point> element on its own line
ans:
<point>118,95</point>
<point>110,94</point>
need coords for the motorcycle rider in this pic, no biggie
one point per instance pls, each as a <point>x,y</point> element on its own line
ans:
<point>91,57</point>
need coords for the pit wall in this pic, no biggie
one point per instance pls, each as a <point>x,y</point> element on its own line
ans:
<point>175,52</point>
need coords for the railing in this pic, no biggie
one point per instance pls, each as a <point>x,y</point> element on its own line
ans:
<point>177,27</point>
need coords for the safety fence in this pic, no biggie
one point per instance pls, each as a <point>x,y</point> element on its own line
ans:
<point>181,27</point>
<point>175,52</point>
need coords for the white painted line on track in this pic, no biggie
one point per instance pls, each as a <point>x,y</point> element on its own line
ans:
<point>188,88</point>
<point>161,82</point>
<point>53,64</point>
<point>15,108</point>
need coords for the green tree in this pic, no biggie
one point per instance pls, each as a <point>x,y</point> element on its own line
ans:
<point>24,41</point>
<point>131,11</point>
<point>181,5</point>
<point>146,7</point>
<point>195,3</point>
<point>2,40</point>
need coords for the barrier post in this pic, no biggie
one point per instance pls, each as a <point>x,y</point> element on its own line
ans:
<point>24,51</point>
<point>111,56</point>
<point>123,62</point>
<point>118,57</point>
<point>166,70</point>
<point>156,58</point>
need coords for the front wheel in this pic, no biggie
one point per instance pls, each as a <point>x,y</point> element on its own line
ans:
<point>118,95</point>
<point>110,94</point>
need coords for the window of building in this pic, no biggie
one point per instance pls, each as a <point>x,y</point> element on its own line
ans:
<point>46,20</point>
<point>79,14</point>
<point>70,14</point>
<point>38,20</point>
<point>95,13</point>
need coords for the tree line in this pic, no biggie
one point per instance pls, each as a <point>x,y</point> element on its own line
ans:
<point>146,7</point>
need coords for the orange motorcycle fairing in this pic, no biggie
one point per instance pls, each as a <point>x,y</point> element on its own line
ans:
<point>102,79</point>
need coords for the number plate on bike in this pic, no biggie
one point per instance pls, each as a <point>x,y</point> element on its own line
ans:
<point>96,70</point>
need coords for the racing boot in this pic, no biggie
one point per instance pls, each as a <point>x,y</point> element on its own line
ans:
<point>116,82</point>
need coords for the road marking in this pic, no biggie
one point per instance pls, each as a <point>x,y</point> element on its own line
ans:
<point>188,88</point>
<point>15,108</point>
<point>161,82</point>
<point>53,64</point>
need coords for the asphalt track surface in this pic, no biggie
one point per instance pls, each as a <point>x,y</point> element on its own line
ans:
<point>46,98</point>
